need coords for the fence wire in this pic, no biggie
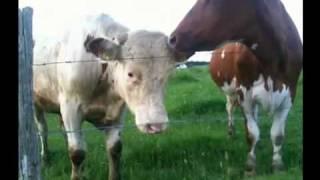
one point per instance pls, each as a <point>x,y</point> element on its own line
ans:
<point>126,126</point>
<point>123,59</point>
<point>171,123</point>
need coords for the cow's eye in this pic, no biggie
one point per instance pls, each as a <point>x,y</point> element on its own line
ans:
<point>130,74</point>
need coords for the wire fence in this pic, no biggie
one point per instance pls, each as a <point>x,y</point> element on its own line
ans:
<point>174,123</point>
<point>122,59</point>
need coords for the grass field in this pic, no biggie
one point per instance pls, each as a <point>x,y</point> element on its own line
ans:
<point>196,145</point>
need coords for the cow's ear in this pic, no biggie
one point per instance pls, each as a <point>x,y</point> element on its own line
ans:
<point>122,38</point>
<point>102,48</point>
<point>94,45</point>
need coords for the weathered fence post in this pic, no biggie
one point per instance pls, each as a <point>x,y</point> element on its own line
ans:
<point>29,156</point>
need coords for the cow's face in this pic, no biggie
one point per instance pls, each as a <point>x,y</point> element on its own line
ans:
<point>140,77</point>
<point>211,22</point>
<point>142,86</point>
<point>143,78</point>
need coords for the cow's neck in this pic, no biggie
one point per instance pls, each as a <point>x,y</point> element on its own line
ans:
<point>115,77</point>
<point>263,48</point>
<point>105,105</point>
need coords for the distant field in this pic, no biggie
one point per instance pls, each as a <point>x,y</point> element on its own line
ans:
<point>196,145</point>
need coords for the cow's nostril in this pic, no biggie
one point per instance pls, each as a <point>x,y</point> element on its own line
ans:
<point>148,126</point>
<point>154,127</point>
<point>173,40</point>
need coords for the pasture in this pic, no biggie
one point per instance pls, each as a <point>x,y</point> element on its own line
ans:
<point>195,146</point>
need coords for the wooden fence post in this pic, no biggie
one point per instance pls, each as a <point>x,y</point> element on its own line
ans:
<point>29,156</point>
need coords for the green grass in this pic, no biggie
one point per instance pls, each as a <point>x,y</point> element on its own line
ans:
<point>196,148</point>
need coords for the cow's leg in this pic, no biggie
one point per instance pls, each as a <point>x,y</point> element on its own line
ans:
<point>72,119</point>
<point>256,112</point>
<point>63,129</point>
<point>277,134</point>
<point>230,107</point>
<point>43,131</point>
<point>252,133</point>
<point>114,148</point>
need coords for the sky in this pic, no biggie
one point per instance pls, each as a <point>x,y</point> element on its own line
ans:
<point>51,17</point>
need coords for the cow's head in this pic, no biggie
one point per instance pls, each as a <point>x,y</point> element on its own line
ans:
<point>141,74</point>
<point>211,22</point>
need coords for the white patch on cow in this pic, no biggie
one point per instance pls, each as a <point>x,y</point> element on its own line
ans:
<point>218,73</point>
<point>253,130</point>
<point>72,122</point>
<point>230,88</point>
<point>222,54</point>
<point>270,100</point>
<point>231,102</point>
<point>278,128</point>
<point>276,103</point>
<point>113,136</point>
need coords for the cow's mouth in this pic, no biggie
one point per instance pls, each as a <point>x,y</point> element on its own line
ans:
<point>152,128</point>
<point>187,54</point>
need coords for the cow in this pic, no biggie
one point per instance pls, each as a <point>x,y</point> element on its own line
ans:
<point>114,68</point>
<point>231,65</point>
<point>277,62</point>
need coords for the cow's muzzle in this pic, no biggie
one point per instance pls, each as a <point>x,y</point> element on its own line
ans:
<point>152,128</point>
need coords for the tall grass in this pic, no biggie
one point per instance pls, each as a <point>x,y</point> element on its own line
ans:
<point>196,145</point>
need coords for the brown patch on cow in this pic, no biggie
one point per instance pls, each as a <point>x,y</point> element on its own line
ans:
<point>94,113</point>
<point>45,103</point>
<point>116,149</point>
<point>249,137</point>
<point>77,156</point>
<point>114,154</point>
<point>278,140</point>
<point>104,66</point>
<point>266,85</point>
<point>104,71</point>
<point>241,95</point>
<point>238,62</point>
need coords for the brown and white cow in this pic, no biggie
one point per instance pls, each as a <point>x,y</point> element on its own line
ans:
<point>268,73</point>
<point>232,67</point>
<point>96,91</point>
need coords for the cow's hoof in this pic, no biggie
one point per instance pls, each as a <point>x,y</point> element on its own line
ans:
<point>78,175</point>
<point>250,173</point>
<point>45,160</point>
<point>75,177</point>
<point>231,131</point>
<point>250,166</point>
<point>277,166</point>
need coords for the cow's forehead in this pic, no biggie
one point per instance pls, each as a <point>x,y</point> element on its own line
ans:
<point>150,67</point>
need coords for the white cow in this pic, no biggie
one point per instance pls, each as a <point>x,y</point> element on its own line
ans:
<point>98,92</point>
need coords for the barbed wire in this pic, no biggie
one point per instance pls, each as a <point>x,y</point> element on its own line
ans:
<point>121,59</point>
<point>131,125</point>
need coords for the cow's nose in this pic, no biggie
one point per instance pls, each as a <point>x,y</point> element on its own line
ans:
<point>173,41</point>
<point>153,128</point>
